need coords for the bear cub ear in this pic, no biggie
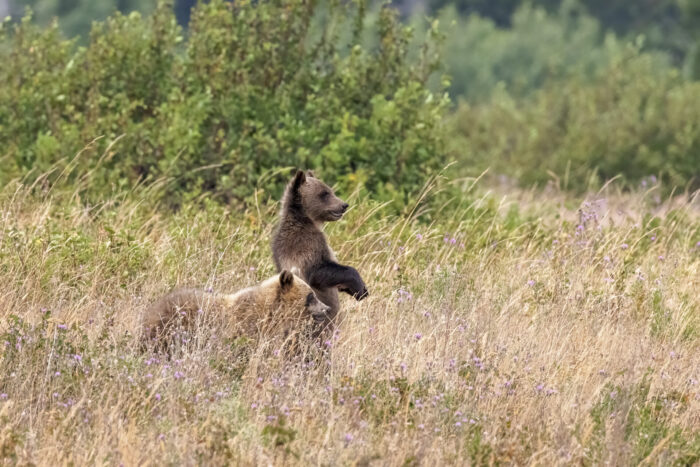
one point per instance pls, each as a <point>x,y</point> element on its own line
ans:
<point>299,179</point>
<point>286,280</point>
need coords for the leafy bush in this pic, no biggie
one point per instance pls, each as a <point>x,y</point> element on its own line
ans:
<point>632,119</point>
<point>253,88</point>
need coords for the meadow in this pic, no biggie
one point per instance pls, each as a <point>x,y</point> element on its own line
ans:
<point>502,327</point>
<point>528,229</point>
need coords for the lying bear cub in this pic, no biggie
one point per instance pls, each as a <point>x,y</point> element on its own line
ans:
<point>277,307</point>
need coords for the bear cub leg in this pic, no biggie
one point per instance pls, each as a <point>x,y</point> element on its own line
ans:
<point>345,278</point>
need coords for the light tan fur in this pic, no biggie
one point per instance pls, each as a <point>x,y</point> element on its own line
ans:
<point>277,306</point>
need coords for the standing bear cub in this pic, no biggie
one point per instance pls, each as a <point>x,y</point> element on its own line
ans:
<point>299,242</point>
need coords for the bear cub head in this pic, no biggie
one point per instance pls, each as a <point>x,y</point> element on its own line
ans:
<point>295,293</point>
<point>309,196</point>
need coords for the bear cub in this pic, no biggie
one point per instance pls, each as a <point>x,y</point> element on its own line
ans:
<point>278,306</point>
<point>299,242</point>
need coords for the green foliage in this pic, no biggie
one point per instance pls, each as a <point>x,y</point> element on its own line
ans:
<point>645,420</point>
<point>537,48</point>
<point>76,16</point>
<point>500,12</point>
<point>279,435</point>
<point>666,24</point>
<point>255,87</point>
<point>632,119</point>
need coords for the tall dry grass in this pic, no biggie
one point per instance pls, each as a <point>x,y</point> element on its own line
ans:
<point>517,328</point>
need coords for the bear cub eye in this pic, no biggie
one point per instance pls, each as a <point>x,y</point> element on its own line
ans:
<point>309,299</point>
<point>325,194</point>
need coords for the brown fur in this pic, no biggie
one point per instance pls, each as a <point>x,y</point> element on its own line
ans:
<point>275,307</point>
<point>299,242</point>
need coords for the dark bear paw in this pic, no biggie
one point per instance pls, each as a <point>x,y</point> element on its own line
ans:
<point>357,294</point>
<point>362,294</point>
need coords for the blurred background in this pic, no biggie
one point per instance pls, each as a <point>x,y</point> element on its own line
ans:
<point>570,93</point>
<point>518,44</point>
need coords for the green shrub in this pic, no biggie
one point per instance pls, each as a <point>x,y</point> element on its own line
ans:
<point>632,120</point>
<point>255,87</point>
